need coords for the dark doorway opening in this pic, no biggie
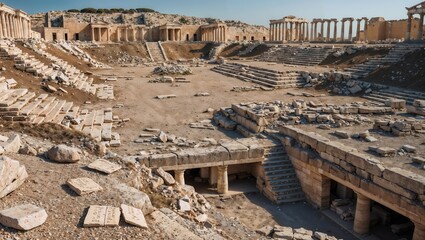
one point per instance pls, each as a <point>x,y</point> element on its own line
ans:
<point>54,36</point>
<point>66,36</point>
<point>77,36</point>
<point>187,37</point>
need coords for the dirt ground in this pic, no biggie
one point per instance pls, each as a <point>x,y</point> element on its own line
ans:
<point>409,73</point>
<point>175,115</point>
<point>232,50</point>
<point>178,51</point>
<point>114,51</point>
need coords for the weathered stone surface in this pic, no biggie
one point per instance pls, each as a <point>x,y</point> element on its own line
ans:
<point>99,216</point>
<point>409,148</point>
<point>23,217</point>
<point>184,204</point>
<point>165,224</point>
<point>83,186</point>
<point>104,166</point>
<point>168,178</point>
<point>202,218</point>
<point>12,145</point>
<point>64,154</point>
<point>394,187</point>
<point>135,198</point>
<point>237,150</point>
<point>202,155</point>
<point>133,216</point>
<point>342,134</point>
<point>12,175</point>
<point>283,233</point>
<point>28,150</point>
<point>265,231</point>
<point>160,160</point>
<point>406,179</point>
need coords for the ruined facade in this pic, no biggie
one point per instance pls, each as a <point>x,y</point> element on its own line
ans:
<point>14,23</point>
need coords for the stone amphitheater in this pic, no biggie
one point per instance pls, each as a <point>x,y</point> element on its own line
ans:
<point>140,130</point>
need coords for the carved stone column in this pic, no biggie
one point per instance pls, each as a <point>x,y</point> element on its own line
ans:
<point>366,22</point>
<point>322,30</point>
<point>358,29</point>
<point>362,216</point>
<point>350,31</point>
<point>335,30</point>
<point>222,181</point>
<point>179,176</point>
<point>328,36</point>
<point>343,31</point>
<point>409,26</point>
<point>4,24</point>
<point>284,31</point>
<point>421,27</point>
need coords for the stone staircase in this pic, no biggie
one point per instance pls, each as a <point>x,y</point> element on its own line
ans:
<point>59,70</point>
<point>155,51</point>
<point>281,183</point>
<point>292,55</point>
<point>395,55</point>
<point>386,93</point>
<point>25,106</point>
<point>265,77</point>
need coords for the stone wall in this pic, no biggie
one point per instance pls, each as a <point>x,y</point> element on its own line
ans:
<point>317,160</point>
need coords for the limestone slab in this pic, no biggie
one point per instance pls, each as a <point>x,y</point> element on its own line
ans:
<point>99,216</point>
<point>23,217</point>
<point>83,186</point>
<point>133,216</point>
<point>104,166</point>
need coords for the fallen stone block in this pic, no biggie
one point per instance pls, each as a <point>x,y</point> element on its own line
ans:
<point>104,166</point>
<point>12,175</point>
<point>135,198</point>
<point>23,217</point>
<point>342,134</point>
<point>265,231</point>
<point>201,218</point>
<point>12,145</point>
<point>64,154</point>
<point>409,148</point>
<point>133,216</point>
<point>83,186</point>
<point>165,96</point>
<point>100,216</point>
<point>184,204</point>
<point>283,233</point>
<point>168,178</point>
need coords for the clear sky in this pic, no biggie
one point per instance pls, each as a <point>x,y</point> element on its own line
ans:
<point>250,11</point>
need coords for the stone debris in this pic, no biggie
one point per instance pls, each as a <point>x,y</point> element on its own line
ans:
<point>135,198</point>
<point>205,124</point>
<point>101,216</point>
<point>184,204</point>
<point>409,148</point>
<point>344,208</point>
<point>64,154</point>
<point>404,127</point>
<point>133,216</point>
<point>23,217</point>
<point>203,94</point>
<point>12,175</point>
<point>168,178</point>
<point>165,96</point>
<point>396,103</point>
<point>104,166</point>
<point>162,79</point>
<point>172,69</point>
<point>11,145</point>
<point>265,231</point>
<point>83,186</point>
<point>202,218</point>
<point>383,151</point>
<point>163,137</point>
<point>342,134</point>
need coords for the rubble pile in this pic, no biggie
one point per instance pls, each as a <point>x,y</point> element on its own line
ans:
<point>400,127</point>
<point>72,47</point>
<point>172,69</point>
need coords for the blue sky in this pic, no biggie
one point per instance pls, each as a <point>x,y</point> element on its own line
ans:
<point>250,11</point>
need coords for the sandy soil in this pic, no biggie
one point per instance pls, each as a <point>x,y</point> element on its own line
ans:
<point>178,51</point>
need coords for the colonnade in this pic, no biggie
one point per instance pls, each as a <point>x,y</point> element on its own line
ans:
<point>14,23</point>
<point>170,33</point>
<point>298,29</point>
<point>222,179</point>
<point>214,33</point>
<point>289,29</point>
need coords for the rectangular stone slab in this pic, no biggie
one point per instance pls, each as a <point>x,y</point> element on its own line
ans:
<point>133,216</point>
<point>99,216</point>
<point>23,217</point>
<point>104,166</point>
<point>83,186</point>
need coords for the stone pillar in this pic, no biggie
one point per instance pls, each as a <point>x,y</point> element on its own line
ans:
<point>100,34</point>
<point>307,32</point>
<point>213,175</point>
<point>335,30</point>
<point>279,32</point>
<point>314,31</point>
<point>8,26</point>
<point>172,37</point>
<point>350,31</point>
<point>409,26</point>
<point>29,28</point>
<point>358,29</point>
<point>179,176</point>
<point>166,34</point>
<point>119,34</point>
<point>126,34</point>
<point>291,31</point>
<point>93,38</point>
<point>134,34</point>
<point>328,36</point>
<point>343,31</point>
<point>419,232</point>
<point>4,24</point>
<point>270,32</point>
<point>322,30</point>
<point>421,27</point>
<point>366,22</point>
<point>108,35</point>
<point>222,182</point>
<point>362,216</point>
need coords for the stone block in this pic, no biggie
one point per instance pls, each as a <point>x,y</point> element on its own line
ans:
<point>99,216</point>
<point>12,175</point>
<point>133,216</point>
<point>83,186</point>
<point>104,166</point>
<point>283,233</point>
<point>168,178</point>
<point>63,154</point>
<point>394,187</point>
<point>135,198</point>
<point>12,145</point>
<point>236,150</point>
<point>265,231</point>
<point>406,179</point>
<point>338,172</point>
<point>23,217</point>
<point>160,160</point>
